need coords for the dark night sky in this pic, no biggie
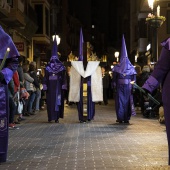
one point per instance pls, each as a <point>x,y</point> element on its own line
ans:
<point>99,12</point>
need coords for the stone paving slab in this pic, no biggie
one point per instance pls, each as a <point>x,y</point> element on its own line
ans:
<point>98,145</point>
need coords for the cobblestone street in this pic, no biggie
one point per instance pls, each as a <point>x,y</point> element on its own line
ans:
<point>98,145</point>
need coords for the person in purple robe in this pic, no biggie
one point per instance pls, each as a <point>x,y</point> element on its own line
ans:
<point>123,74</point>
<point>90,104</point>
<point>54,83</point>
<point>83,90</point>
<point>161,76</point>
<point>7,69</point>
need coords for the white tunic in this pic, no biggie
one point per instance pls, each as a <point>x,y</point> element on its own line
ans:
<point>94,70</point>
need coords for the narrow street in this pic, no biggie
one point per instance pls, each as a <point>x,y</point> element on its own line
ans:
<point>98,145</point>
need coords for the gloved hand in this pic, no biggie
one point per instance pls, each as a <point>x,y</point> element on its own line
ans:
<point>1,77</point>
<point>145,95</point>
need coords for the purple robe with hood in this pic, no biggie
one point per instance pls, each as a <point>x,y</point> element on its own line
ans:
<point>161,75</point>
<point>123,74</point>
<point>8,69</point>
<point>55,83</point>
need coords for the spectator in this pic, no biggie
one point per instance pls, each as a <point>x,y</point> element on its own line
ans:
<point>140,81</point>
<point>105,79</point>
<point>20,71</point>
<point>28,83</point>
<point>17,91</point>
<point>12,104</point>
<point>36,83</point>
<point>68,86</point>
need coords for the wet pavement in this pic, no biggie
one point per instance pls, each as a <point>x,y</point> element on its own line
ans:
<point>97,145</point>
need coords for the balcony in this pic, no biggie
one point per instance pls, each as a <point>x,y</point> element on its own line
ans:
<point>16,16</point>
<point>4,9</point>
<point>42,39</point>
<point>30,24</point>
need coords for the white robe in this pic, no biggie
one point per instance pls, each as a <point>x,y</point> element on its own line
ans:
<point>77,70</point>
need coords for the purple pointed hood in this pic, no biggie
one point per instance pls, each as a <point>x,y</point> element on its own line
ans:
<point>55,65</point>
<point>6,42</point>
<point>81,41</point>
<point>125,66</point>
<point>166,43</point>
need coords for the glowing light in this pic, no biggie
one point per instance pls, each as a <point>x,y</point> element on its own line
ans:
<point>150,3</point>
<point>57,38</point>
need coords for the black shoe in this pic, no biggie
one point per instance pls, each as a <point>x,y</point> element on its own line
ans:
<point>26,114</point>
<point>81,121</point>
<point>21,118</point>
<point>126,121</point>
<point>32,113</point>
<point>56,121</point>
<point>119,121</point>
<point>17,122</point>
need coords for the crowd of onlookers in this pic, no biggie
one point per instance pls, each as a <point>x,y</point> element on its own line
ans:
<point>147,107</point>
<point>24,93</point>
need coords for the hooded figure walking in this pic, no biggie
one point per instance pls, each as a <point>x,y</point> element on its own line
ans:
<point>161,75</point>
<point>123,74</point>
<point>88,78</point>
<point>55,83</point>
<point>8,65</point>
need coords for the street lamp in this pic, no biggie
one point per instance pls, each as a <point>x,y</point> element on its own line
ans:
<point>150,3</point>
<point>154,20</point>
<point>117,56</point>
<point>57,39</point>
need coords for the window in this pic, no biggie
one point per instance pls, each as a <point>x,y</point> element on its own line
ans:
<point>47,21</point>
<point>39,12</point>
